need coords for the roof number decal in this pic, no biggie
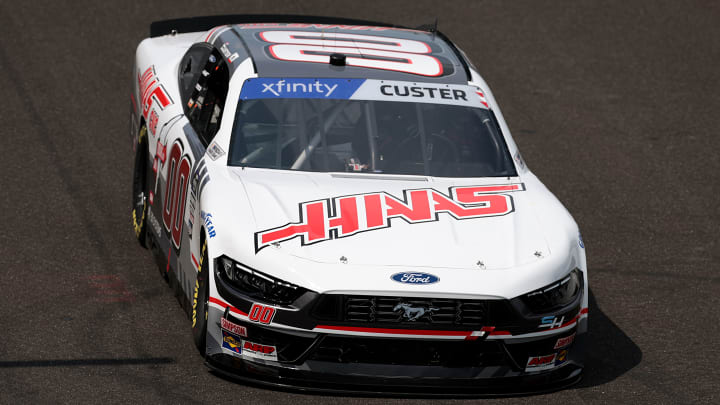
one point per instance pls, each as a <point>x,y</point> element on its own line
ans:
<point>368,51</point>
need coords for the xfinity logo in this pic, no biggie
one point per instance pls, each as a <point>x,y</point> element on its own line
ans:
<point>415,278</point>
<point>281,87</point>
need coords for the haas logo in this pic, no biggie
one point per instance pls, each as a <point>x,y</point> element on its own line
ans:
<point>345,216</point>
<point>151,90</point>
<point>410,313</point>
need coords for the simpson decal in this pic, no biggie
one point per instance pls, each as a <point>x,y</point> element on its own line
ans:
<point>233,328</point>
<point>339,217</point>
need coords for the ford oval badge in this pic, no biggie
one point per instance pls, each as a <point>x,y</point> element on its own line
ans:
<point>415,278</point>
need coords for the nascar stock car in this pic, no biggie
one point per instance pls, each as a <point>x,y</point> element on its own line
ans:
<point>339,205</point>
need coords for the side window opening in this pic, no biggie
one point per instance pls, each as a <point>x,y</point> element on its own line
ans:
<point>206,102</point>
<point>190,68</point>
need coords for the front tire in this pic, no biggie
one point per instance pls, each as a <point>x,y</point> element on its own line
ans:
<point>200,301</point>
<point>140,204</point>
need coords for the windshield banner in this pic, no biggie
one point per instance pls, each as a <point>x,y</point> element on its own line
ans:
<point>362,89</point>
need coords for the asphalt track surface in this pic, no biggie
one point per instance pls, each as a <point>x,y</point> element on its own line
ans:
<point>614,105</point>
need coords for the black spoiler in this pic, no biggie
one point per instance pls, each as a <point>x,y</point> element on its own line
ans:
<point>194,24</point>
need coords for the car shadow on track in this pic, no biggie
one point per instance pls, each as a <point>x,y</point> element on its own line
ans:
<point>610,352</point>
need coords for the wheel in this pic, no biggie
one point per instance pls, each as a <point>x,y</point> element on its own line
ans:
<point>139,189</point>
<point>200,301</point>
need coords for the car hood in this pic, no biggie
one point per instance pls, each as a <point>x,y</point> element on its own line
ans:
<point>493,242</point>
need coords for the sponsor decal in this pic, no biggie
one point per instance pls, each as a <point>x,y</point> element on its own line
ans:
<point>231,343</point>
<point>160,155</point>
<point>215,151</point>
<point>340,217</point>
<point>258,351</point>
<point>561,357</point>
<point>231,56</point>
<point>153,121</point>
<point>519,160</point>
<point>359,89</point>
<point>551,322</point>
<point>564,342</point>
<point>160,150</point>
<point>423,92</point>
<point>152,91</point>
<point>154,224</point>
<point>415,278</point>
<point>233,327</point>
<point>580,241</point>
<point>207,219</point>
<point>300,88</point>
<point>261,314</point>
<point>411,313</point>
<point>540,363</point>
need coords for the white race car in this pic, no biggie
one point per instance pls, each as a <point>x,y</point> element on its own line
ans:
<point>340,206</point>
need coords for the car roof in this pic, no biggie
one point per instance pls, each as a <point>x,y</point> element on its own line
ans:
<point>255,40</point>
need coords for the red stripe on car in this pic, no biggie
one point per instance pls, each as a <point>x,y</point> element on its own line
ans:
<point>396,331</point>
<point>226,305</point>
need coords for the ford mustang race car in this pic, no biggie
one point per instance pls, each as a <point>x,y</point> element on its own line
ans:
<point>339,205</point>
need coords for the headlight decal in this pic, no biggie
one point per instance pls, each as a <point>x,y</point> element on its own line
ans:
<point>257,285</point>
<point>556,295</point>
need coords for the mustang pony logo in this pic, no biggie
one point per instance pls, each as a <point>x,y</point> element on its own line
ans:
<point>341,217</point>
<point>410,313</point>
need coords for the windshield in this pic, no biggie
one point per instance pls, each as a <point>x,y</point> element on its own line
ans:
<point>376,136</point>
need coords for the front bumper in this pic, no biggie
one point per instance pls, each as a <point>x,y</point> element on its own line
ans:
<point>410,362</point>
<point>365,379</point>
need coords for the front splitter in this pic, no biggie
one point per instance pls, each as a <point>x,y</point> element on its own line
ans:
<point>300,380</point>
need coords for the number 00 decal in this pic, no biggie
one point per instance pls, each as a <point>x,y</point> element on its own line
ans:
<point>175,192</point>
<point>261,313</point>
<point>372,51</point>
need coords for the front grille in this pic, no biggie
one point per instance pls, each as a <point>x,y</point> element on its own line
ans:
<point>410,352</point>
<point>406,311</point>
